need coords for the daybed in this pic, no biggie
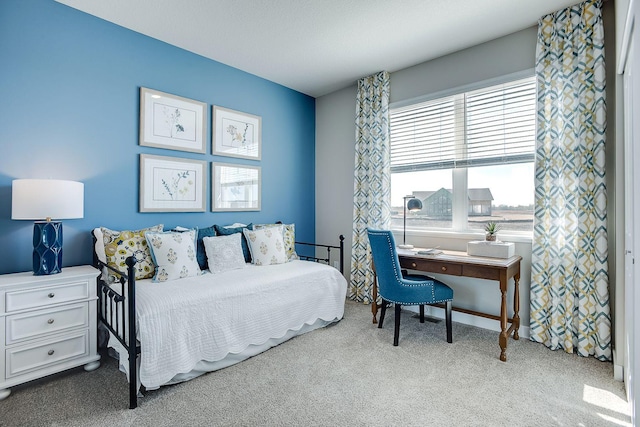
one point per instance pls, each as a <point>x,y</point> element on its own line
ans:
<point>183,328</point>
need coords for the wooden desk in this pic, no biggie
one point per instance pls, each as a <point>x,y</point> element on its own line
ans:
<point>461,264</point>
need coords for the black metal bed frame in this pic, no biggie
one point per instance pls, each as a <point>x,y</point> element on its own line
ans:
<point>326,260</point>
<point>117,308</point>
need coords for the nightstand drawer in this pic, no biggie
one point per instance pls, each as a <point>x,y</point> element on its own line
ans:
<point>43,322</point>
<point>30,357</point>
<point>43,296</point>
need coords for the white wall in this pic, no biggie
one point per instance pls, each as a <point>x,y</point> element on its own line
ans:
<point>335,157</point>
<point>506,55</point>
<point>615,186</point>
<point>335,135</point>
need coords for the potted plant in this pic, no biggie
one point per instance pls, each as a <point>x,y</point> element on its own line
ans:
<point>491,230</point>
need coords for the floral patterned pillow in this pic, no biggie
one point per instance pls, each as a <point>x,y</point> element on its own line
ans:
<point>120,245</point>
<point>174,254</point>
<point>288,235</point>
<point>266,245</point>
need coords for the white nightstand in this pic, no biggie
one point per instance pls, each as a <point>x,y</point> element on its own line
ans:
<point>49,324</point>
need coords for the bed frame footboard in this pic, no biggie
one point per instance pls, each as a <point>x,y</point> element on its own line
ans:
<point>117,313</point>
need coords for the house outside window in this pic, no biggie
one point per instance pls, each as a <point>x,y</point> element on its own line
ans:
<point>469,157</point>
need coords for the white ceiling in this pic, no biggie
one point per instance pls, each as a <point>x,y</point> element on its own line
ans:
<point>318,46</point>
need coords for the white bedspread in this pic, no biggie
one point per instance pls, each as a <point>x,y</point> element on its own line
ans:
<point>210,316</point>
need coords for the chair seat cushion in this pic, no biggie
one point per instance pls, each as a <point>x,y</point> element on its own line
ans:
<point>417,277</point>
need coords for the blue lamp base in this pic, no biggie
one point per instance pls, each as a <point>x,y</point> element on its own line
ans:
<point>47,247</point>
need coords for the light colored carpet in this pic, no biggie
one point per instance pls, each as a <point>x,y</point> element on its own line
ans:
<point>349,374</point>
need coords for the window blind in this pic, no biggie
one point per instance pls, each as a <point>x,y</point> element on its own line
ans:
<point>494,125</point>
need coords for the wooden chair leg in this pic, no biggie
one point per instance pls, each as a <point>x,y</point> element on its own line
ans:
<point>383,310</point>
<point>448,307</point>
<point>396,332</point>
<point>421,313</point>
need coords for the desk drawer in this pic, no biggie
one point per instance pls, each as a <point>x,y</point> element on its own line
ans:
<point>44,322</point>
<point>30,357</point>
<point>41,297</point>
<point>432,266</point>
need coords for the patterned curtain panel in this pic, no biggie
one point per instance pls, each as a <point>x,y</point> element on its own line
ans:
<point>569,277</point>
<point>372,181</point>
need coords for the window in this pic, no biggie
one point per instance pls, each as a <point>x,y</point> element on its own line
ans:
<point>468,157</point>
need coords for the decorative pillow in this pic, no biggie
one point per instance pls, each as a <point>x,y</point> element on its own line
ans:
<point>98,250</point>
<point>288,235</point>
<point>201,255</point>
<point>224,252</point>
<point>225,231</point>
<point>174,254</point>
<point>266,245</point>
<point>120,245</point>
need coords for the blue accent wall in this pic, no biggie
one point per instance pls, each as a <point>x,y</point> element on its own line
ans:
<point>69,109</point>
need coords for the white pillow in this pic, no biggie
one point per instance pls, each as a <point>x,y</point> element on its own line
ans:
<point>224,252</point>
<point>235,225</point>
<point>174,254</point>
<point>99,245</point>
<point>266,245</point>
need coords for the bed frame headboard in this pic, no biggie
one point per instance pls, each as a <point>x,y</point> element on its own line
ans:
<point>327,259</point>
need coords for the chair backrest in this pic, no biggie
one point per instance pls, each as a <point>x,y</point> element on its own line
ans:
<point>385,260</point>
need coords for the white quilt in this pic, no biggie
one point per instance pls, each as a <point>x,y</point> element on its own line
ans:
<point>207,317</point>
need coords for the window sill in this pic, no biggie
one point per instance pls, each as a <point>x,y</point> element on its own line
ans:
<point>465,235</point>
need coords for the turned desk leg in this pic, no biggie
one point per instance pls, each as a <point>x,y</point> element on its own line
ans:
<point>503,323</point>
<point>516,306</point>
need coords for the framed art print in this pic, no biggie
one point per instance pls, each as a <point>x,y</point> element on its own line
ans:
<point>236,134</point>
<point>172,122</point>
<point>235,187</point>
<point>172,184</point>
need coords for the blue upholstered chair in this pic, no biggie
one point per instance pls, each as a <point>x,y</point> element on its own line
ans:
<point>399,289</point>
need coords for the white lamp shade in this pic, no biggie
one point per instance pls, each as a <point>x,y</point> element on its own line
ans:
<point>39,199</point>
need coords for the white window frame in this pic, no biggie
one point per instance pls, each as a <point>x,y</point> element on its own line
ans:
<point>459,227</point>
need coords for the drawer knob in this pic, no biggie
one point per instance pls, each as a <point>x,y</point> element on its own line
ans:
<point>444,268</point>
<point>51,295</point>
<point>50,321</point>
<point>413,264</point>
<point>50,352</point>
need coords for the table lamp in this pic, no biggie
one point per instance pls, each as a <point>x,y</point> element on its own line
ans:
<point>43,200</point>
<point>412,205</point>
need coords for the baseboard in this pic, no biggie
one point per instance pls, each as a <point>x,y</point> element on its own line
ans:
<point>618,370</point>
<point>467,319</point>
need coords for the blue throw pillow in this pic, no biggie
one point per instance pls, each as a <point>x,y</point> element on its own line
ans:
<point>201,255</point>
<point>224,231</point>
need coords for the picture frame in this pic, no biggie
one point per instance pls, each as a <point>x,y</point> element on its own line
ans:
<point>172,122</point>
<point>235,187</point>
<point>236,134</point>
<point>172,184</point>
